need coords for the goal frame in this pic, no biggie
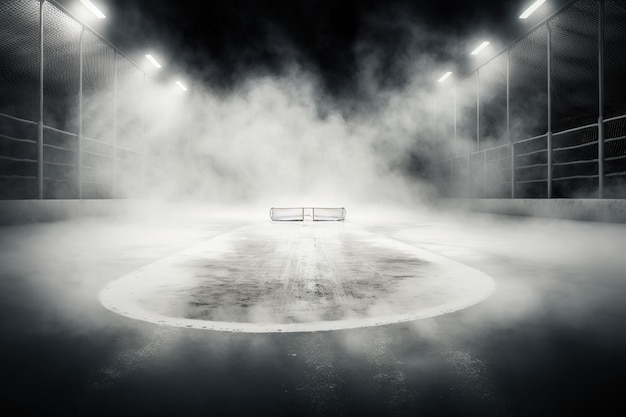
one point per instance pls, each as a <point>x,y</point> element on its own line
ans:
<point>306,212</point>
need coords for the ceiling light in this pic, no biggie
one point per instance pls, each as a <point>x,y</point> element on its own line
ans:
<point>153,61</point>
<point>480,48</point>
<point>93,9</point>
<point>445,76</point>
<point>532,9</point>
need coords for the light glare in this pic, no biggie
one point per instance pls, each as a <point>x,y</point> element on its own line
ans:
<point>480,48</point>
<point>532,9</point>
<point>93,9</point>
<point>153,61</point>
<point>181,85</point>
<point>445,76</point>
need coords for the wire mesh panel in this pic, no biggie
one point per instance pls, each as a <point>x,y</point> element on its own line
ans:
<point>574,75</point>
<point>528,85</point>
<point>98,117</point>
<point>97,166</point>
<point>19,59</point>
<point>615,57</point>
<point>443,173</point>
<point>19,98</point>
<point>498,172</point>
<point>98,88</point>
<point>477,174</point>
<point>445,115</point>
<point>18,158</point>
<point>80,109</point>
<point>60,170</point>
<point>61,40</point>
<point>493,103</point>
<point>130,87</point>
<point>459,176</point>
<point>615,158</point>
<point>467,111</point>
<point>564,53</point>
<point>531,167</point>
<point>575,163</point>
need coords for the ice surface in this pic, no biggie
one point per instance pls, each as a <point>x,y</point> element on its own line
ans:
<point>296,277</point>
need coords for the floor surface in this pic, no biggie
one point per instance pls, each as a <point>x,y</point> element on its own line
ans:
<point>547,339</point>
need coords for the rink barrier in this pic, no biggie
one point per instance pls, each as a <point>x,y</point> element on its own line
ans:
<point>582,209</point>
<point>14,212</point>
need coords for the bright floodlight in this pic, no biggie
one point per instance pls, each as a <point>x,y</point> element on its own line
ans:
<point>153,61</point>
<point>93,9</point>
<point>445,76</point>
<point>532,9</point>
<point>480,48</point>
<point>181,85</point>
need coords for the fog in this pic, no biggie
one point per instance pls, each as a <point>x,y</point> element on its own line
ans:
<point>214,160</point>
<point>291,131</point>
<point>278,141</point>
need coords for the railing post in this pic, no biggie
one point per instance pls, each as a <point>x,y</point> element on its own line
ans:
<point>79,160</point>
<point>484,174</point>
<point>549,134</point>
<point>470,185</point>
<point>601,155</point>
<point>455,116</point>
<point>450,180</point>
<point>143,149</point>
<point>115,167</point>
<point>477,110</point>
<point>40,125</point>
<point>508,121</point>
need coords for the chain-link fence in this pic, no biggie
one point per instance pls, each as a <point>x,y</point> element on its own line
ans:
<point>70,108</point>
<point>546,118</point>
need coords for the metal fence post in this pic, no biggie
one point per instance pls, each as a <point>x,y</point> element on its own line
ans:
<point>601,135</point>
<point>455,116</point>
<point>549,134</point>
<point>484,193</point>
<point>143,151</point>
<point>470,188</point>
<point>508,121</point>
<point>450,180</point>
<point>79,160</point>
<point>477,110</point>
<point>40,125</point>
<point>115,167</point>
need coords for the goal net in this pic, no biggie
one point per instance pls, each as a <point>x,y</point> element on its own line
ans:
<point>300,214</point>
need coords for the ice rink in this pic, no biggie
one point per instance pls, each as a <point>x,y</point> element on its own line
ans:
<point>389,313</point>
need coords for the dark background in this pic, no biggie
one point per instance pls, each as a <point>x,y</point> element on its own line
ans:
<point>222,42</point>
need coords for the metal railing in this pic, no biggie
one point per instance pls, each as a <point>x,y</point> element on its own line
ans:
<point>69,119</point>
<point>554,101</point>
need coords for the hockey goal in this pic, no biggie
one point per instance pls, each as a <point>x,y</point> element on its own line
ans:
<point>300,214</point>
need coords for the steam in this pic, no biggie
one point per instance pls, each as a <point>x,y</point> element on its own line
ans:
<point>282,133</point>
<point>277,140</point>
